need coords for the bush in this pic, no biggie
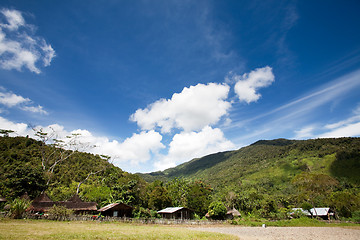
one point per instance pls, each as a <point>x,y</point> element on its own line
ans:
<point>60,212</point>
<point>18,207</point>
<point>145,213</point>
<point>217,210</point>
<point>356,216</point>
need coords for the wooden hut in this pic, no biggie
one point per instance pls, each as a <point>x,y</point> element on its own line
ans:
<point>116,210</point>
<point>43,204</point>
<point>77,205</point>
<point>176,213</point>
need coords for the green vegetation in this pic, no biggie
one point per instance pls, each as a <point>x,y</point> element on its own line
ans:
<point>264,180</point>
<point>269,176</point>
<point>18,207</point>
<point>25,229</point>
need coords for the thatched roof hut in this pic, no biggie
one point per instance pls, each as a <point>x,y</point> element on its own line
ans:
<point>43,204</point>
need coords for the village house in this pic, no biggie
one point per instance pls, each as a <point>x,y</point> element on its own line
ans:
<point>116,210</point>
<point>43,203</point>
<point>176,213</point>
<point>324,213</point>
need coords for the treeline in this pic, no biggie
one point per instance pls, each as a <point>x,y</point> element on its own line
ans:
<point>265,179</point>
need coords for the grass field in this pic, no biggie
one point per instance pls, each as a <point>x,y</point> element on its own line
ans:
<point>40,229</point>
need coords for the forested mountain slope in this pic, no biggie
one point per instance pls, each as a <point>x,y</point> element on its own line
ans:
<point>271,162</point>
<point>22,171</point>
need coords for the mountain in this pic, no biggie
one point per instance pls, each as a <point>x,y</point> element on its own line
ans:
<point>271,162</point>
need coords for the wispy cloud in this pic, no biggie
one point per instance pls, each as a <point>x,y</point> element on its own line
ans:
<point>11,100</point>
<point>19,46</point>
<point>298,112</point>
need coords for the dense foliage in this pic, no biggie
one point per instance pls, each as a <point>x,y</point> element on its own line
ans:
<point>268,178</point>
<point>265,179</point>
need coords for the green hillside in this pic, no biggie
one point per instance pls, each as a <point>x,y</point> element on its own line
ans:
<point>269,175</point>
<point>272,162</point>
<point>21,171</point>
<point>265,179</point>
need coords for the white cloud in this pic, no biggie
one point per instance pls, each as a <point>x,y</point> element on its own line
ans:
<point>188,145</point>
<point>10,100</point>
<point>14,18</point>
<point>247,84</point>
<point>135,150</point>
<point>349,130</point>
<point>190,110</point>
<point>19,47</point>
<point>306,132</point>
<point>20,128</point>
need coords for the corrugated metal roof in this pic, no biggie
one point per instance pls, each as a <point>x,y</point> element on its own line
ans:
<point>170,210</point>
<point>318,212</point>
<point>111,205</point>
<point>107,207</point>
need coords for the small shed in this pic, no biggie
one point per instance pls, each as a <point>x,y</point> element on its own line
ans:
<point>176,213</point>
<point>324,213</point>
<point>232,213</point>
<point>116,210</point>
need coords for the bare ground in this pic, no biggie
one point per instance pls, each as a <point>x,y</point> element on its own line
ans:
<point>287,233</point>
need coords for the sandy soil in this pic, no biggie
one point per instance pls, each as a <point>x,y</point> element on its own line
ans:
<point>287,233</point>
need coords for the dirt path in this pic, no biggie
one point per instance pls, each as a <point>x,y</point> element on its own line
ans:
<point>287,233</point>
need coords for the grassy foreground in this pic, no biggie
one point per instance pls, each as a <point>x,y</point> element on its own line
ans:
<point>39,229</point>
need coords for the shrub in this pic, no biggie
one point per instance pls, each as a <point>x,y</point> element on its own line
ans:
<point>217,210</point>
<point>18,207</point>
<point>60,212</point>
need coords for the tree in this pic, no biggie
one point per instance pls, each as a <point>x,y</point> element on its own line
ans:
<point>178,188</point>
<point>5,132</point>
<point>199,197</point>
<point>159,197</point>
<point>217,210</point>
<point>54,150</point>
<point>315,187</point>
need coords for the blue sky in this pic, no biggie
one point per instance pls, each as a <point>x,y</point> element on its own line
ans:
<point>156,83</point>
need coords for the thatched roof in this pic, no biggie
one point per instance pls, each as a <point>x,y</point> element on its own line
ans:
<point>43,197</point>
<point>43,204</point>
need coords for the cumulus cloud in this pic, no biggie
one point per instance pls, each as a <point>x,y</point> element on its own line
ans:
<point>190,110</point>
<point>11,100</point>
<point>188,145</point>
<point>247,85</point>
<point>19,46</point>
<point>19,128</point>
